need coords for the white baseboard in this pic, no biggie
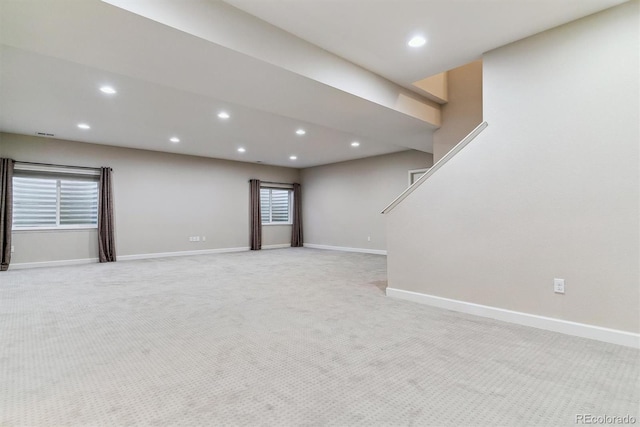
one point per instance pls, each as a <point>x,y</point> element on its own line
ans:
<point>278,246</point>
<point>345,249</point>
<point>180,253</point>
<point>64,262</point>
<point>613,336</point>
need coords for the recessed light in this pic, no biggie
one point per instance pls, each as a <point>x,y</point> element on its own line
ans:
<point>355,144</point>
<point>301,132</point>
<point>417,41</point>
<point>108,90</point>
<point>293,157</point>
<point>174,139</point>
<point>223,115</point>
<point>241,150</point>
<point>84,126</point>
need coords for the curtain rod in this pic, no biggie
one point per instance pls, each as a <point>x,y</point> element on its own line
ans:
<point>59,166</point>
<point>279,183</point>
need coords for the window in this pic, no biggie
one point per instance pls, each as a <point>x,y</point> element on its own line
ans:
<point>44,201</point>
<point>275,205</point>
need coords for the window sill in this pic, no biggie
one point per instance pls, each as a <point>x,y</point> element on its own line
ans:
<point>53,229</point>
<point>276,223</point>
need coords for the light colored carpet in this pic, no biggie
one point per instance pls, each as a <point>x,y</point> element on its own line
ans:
<point>279,338</point>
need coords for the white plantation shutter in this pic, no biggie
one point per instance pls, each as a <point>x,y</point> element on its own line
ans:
<point>51,202</point>
<point>275,206</point>
<point>280,205</point>
<point>35,202</point>
<point>78,202</point>
<point>265,205</point>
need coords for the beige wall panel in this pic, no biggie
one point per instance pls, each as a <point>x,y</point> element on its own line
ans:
<point>463,112</point>
<point>342,201</point>
<point>50,245</point>
<point>436,87</point>
<point>276,235</point>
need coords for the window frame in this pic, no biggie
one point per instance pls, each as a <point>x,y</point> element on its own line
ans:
<point>289,191</point>
<point>59,174</point>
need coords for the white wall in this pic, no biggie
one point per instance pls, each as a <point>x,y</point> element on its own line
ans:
<point>549,189</point>
<point>342,201</point>
<point>160,200</point>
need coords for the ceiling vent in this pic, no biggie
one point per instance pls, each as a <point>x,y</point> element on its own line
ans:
<point>44,134</point>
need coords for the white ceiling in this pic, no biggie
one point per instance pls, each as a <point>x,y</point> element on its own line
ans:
<point>176,64</point>
<point>374,33</point>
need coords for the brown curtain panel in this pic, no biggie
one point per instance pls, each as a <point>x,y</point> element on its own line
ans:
<point>256,219</point>
<point>296,230</point>
<point>106,240</point>
<point>6,211</point>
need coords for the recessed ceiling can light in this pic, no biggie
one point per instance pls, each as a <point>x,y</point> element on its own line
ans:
<point>417,41</point>
<point>301,132</point>
<point>241,150</point>
<point>293,157</point>
<point>108,90</point>
<point>223,115</point>
<point>84,126</point>
<point>355,144</point>
<point>174,139</point>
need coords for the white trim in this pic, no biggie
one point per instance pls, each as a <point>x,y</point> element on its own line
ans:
<point>27,180</point>
<point>65,262</point>
<point>289,205</point>
<point>613,336</point>
<point>180,253</point>
<point>413,172</point>
<point>53,169</point>
<point>465,141</point>
<point>61,263</point>
<point>278,246</point>
<point>57,228</point>
<point>278,185</point>
<point>345,249</point>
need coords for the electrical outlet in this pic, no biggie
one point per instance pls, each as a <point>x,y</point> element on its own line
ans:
<point>13,249</point>
<point>558,286</point>
<point>368,238</point>
<point>204,238</point>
